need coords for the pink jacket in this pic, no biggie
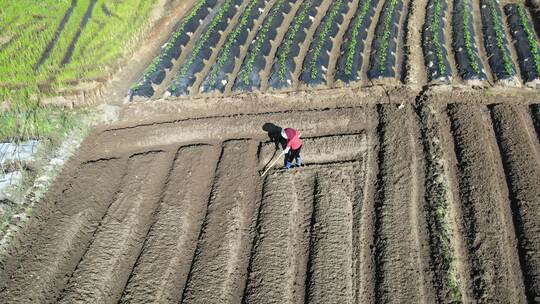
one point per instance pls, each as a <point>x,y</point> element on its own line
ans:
<point>293,138</point>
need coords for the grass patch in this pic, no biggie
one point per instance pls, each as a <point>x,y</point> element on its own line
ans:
<point>26,119</point>
<point>33,66</point>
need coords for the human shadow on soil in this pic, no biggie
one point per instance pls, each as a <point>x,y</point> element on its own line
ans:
<point>274,135</point>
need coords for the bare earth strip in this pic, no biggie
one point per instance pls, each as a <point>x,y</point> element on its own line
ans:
<point>142,138</point>
<point>163,267</point>
<point>106,266</point>
<point>491,256</point>
<point>223,252</point>
<point>330,266</point>
<point>277,253</point>
<point>364,223</point>
<point>399,276</point>
<point>522,168</point>
<point>61,243</point>
<point>451,277</point>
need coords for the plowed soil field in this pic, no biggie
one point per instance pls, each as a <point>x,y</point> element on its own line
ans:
<point>417,202</point>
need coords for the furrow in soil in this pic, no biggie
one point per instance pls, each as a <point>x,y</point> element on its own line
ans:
<point>480,40</point>
<point>488,236</point>
<point>522,168</point>
<point>399,275</point>
<point>279,256</point>
<point>363,222</point>
<point>330,265</point>
<point>450,275</point>
<point>145,137</point>
<point>104,270</point>
<point>222,256</point>
<point>47,259</point>
<point>448,36</point>
<point>163,267</point>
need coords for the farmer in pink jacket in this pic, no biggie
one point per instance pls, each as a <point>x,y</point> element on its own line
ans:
<point>294,144</point>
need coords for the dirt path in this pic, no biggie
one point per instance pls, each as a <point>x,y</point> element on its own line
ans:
<point>477,23</point>
<point>412,69</point>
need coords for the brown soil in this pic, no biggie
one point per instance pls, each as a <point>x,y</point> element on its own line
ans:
<point>400,223</point>
<point>488,235</point>
<point>167,204</point>
<point>174,209</point>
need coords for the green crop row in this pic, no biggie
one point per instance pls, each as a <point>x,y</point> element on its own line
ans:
<point>261,38</point>
<point>152,68</point>
<point>531,37</point>
<point>468,36</point>
<point>284,54</point>
<point>434,28</point>
<point>321,39</point>
<point>388,15</point>
<point>499,36</point>
<point>202,41</point>
<point>351,48</point>
<point>231,40</point>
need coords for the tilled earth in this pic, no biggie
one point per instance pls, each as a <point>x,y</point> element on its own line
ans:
<point>409,203</point>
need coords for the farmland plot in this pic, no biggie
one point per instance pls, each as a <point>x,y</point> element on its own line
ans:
<point>320,44</point>
<point>433,203</point>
